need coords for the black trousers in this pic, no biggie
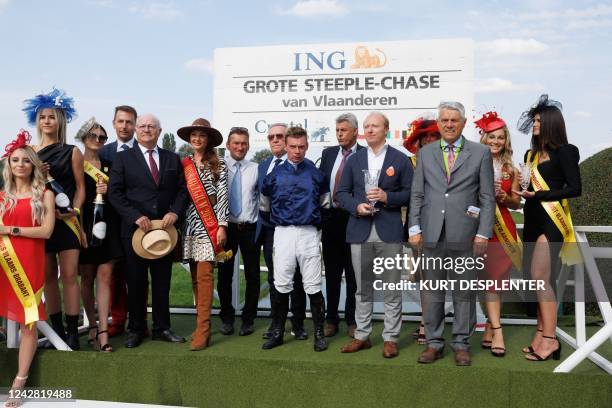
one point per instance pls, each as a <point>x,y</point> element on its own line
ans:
<point>137,277</point>
<point>243,236</point>
<point>337,260</point>
<point>298,296</point>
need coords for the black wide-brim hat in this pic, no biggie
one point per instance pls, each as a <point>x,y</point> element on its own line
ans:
<point>214,136</point>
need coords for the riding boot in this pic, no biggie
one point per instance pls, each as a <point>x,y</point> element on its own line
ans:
<point>281,309</point>
<point>204,292</point>
<point>72,331</point>
<point>317,308</point>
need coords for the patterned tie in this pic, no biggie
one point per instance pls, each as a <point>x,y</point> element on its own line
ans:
<point>235,204</point>
<point>276,163</point>
<point>124,147</point>
<point>153,166</point>
<point>450,156</point>
<point>345,155</point>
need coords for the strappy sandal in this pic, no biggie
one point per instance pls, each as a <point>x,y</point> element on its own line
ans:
<point>529,349</point>
<point>556,355</point>
<point>93,341</point>
<point>486,344</point>
<point>16,401</point>
<point>420,337</point>
<point>106,348</point>
<point>497,351</point>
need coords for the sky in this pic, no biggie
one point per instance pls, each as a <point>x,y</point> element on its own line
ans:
<point>157,55</point>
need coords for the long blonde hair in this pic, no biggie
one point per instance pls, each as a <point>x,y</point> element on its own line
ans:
<point>37,183</point>
<point>507,152</point>
<point>61,124</point>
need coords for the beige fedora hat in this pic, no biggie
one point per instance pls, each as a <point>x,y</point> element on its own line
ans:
<point>156,243</point>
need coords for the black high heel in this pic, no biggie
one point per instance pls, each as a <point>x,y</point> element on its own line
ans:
<point>106,347</point>
<point>529,349</point>
<point>493,349</point>
<point>486,344</point>
<point>556,355</point>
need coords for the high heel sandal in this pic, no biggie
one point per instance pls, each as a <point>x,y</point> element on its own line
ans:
<point>93,341</point>
<point>14,402</point>
<point>420,337</point>
<point>556,355</point>
<point>106,348</point>
<point>529,348</point>
<point>486,344</point>
<point>493,349</point>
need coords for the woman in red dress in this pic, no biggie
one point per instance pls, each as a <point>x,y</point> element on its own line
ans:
<point>499,261</point>
<point>27,219</point>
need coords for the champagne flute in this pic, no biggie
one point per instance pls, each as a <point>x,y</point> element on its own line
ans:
<point>497,175</point>
<point>371,182</point>
<point>525,176</point>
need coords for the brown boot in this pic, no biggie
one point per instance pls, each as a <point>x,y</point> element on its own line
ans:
<point>201,335</point>
<point>193,269</point>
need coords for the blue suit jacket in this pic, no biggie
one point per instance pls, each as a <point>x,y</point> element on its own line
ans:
<point>351,193</point>
<point>262,169</point>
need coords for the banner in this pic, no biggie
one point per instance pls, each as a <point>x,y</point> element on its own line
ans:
<point>310,85</point>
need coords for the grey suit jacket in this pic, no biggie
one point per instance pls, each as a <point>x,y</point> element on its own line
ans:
<point>435,203</point>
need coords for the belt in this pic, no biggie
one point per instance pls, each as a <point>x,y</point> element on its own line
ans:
<point>241,226</point>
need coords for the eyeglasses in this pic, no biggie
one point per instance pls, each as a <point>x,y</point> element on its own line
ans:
<point>97,138</point>
<point>277,136</point>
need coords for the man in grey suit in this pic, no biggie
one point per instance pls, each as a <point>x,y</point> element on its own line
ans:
<point>452,208</point>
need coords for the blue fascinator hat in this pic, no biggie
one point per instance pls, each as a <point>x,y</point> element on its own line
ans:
<point>56,99</point>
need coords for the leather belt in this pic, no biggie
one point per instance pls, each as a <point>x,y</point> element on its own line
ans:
<point>242,226</point>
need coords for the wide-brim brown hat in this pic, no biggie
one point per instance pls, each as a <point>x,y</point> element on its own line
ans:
<point>156,243</point>
<point>214,136</point>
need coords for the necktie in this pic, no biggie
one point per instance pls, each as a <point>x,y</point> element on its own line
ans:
<point>276,163</point>
<point>450,157</point>
<point>235,204</point>
<point>345,155</point>
<point>153,166</point>
<point>124,147</point>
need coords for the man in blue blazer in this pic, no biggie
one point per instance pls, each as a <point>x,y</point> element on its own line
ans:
<point>264,235</point>
<point>336,252</point>
<point>375,232</point>
<point>124,123</point>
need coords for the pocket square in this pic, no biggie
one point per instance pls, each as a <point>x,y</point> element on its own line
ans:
<point>390,171</point>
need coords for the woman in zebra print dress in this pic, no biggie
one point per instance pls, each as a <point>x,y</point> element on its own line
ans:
<point>200,241</point>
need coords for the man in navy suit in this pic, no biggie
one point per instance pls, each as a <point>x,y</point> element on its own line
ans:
<point>375,232</point>
<point>147,183</point>
<point>336,252</point>
<point>265,235</point>
<point>124,123</point>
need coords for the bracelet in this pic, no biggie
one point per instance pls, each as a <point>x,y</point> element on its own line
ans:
<point>77,210</point>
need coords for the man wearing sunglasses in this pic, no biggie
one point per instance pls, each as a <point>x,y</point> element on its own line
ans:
<point>265,236</point>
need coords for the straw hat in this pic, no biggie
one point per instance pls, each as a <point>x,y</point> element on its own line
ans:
<point>214,136</point>
<point>156,243</point>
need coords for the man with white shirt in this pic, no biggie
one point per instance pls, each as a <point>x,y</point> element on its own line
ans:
<point>124,123</point>
<point>336,252</point>
<point>147,183</point>
<point>243,211</point>
<point>375,231</point>
<point>265,236</point>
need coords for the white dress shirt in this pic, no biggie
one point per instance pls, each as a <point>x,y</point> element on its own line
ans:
<point>146,156</point>
<point>271,166</point>
<point>339,157</point>
<point>376,161</point>
<point>250,192</point>
<point>120,144</point>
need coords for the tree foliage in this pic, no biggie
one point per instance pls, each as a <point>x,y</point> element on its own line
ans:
<point>168,142</point>
<point>261,155</point>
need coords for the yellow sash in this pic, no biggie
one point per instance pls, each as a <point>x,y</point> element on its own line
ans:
<point>74,225</point>
<point>559,213</point>
<point>94,172</point>
<point>512,247</point>
<point>19,281</point>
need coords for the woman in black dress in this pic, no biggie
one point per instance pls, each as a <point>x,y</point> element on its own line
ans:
<point>97,260</point>
<point>555,176</point>
<point>64,163</point>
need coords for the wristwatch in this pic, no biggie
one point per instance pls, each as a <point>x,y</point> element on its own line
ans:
<point>15,231</point>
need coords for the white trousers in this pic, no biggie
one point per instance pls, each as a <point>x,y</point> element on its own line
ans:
<point>297,245</point>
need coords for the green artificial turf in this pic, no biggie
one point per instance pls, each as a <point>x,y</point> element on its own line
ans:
<point>235,372</point>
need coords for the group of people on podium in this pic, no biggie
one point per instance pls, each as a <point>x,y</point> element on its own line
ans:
<point>119,214</point>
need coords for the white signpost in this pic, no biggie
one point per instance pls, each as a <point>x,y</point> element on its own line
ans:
<point>310,85</point>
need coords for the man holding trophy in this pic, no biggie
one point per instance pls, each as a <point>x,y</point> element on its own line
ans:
<point>373,188</point>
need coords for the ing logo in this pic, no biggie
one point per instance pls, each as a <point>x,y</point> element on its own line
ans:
<point>364,59</point>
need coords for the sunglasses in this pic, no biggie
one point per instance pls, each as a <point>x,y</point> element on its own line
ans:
<point>277,136</point>
<point>239,129</point>
<point>97,138</point>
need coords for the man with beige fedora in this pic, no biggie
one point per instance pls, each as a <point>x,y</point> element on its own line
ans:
<point>147,188</point>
